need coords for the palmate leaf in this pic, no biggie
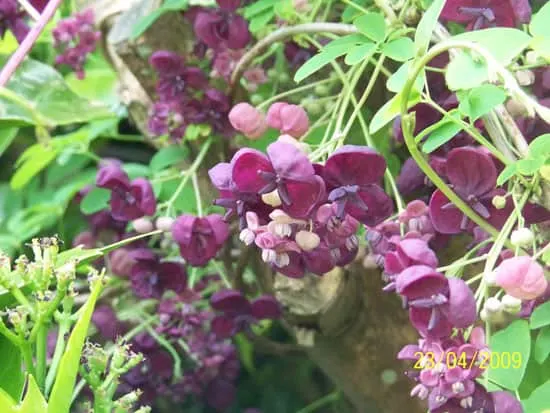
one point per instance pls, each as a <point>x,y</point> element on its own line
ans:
<point>33,402</point>
<point>11,374</point>
<point>37,94</point>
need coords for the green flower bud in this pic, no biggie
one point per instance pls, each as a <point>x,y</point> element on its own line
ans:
<point>256,99</point>
<point>321,90</point>
<point>522,237</point>
<point>499,202</point>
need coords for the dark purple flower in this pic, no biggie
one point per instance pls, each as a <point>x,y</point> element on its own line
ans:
<point>12,18</point>
<point>222,28</point>
<point>472,174</point>
<point>129,200</point>
<point>75,37</point>
<point>213,109</point>
<point>478,14</point>
<point>174,78</point>
<point>411,178</point>
<point>237,313</point>
<point>150,278</point>
<point>353,174</point>
<point>297,55</point>
<point>168,118</point>
<point>286,170</point>
<point>200,239</point>
<point>107,323</point>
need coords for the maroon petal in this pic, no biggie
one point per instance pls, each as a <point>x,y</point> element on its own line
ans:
<point>112,176</point>
<point>239,35</point>
<point>172,276</point>
<point>220,394</point>
<point>471,171</point>
<point>305,196</point>
<point>355,165</point>
<point>230,301</point>
<point>462,304</point>
<point>246,165</point>
<point>296,267</point>
<point>229,5</point>
<point>379,204</point>
<point>418,251</point>
<point>318,261</point>
<point>420,319</point>
<point>143,191</point>
<point>409,352</point>
<point>444,220</point>
<point>420,281</point>
<point>166,63</point>
<point>506,402</point>
<point>223,326</point>
<point>266,307</point>
<point>205,27</point>
<point>182,229</point>
<point>219,226</point>
<point>289,162</point>
<point>221,176</point>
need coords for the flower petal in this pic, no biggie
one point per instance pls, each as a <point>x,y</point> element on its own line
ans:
<point>246,165</point>
<point>354,165</point>
<point>266,307</point>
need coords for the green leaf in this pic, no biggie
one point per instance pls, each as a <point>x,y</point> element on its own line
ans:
<point>529,166</point>
<point>37,94</point>
<point>136,170</point>
<point>7,135</point>
<point>324,57</point>
<point>481,100</point>
<point>62,391</point>
<point>426,27</point>
<point>400,50</point>
<point>390,110</point>
<point>77,253</point>
<point>515,338</point>
<point>7,404</point>
<point>359,53</point>
<point>504,43</point>
<point>538,401</point>
<point>540,146</point>
<point>396,82</point>
<point>446,130</point>
<point>539,22</point>
<point>465,72</point>
<point>350,40</point>
<point>31,165</point>
<point>11,373</point>
<point>246,352</point>
<point>34,401</point>
<point>541,316</point>
<point>99,84</point>
<point>259,21</point>
<point>542,345</point>
<point>167,157</point>
<point>508,172</point>
<point>258,7</point>
<point>95,200</point>
<point>372,25</point>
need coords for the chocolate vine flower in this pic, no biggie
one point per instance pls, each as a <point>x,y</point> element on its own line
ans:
<point>237,313</point>
<point>478,14</point>
<point>436,304</point>
<point>150,278</point>
<point>173,76</point>
<point>286,173</point>
<point>168,118</point>
<point>200,239</point>
<point>12,18</point>
<point>353,174</point>
<point>213,109</point>
<point>222,28</point>
<point>129,200</point>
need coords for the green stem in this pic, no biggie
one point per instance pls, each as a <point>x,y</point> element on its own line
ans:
<point>168,347</point>
<point>15,98</point>
<point>41,355</point>
<point>64,327</point>
<point>197,194</point>
<point>292,92</point>
<point>26,350</point>
<point>323,401</point>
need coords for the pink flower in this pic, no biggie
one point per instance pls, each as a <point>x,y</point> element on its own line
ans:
<point>289,119</point>
<point>247,119</point>
<point>521,277</point>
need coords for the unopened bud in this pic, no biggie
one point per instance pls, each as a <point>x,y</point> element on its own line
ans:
<point>511,304</point>
<point>525,77</point>
<point>96,358</point>
<point>532,58</point>
<point>522,237</point>
<point>272,199</point>
<point>126,402</point>
<point>142,225</point>
<point>499,201</point>
<point>165,223</point>
<point>66,273</point>
<point>307,240</point>
<point>490,279</point>
<point>493,305</point>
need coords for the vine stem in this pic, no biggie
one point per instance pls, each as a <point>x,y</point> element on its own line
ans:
<point>27,44</point>
<point>29,8</point>
<point>408,128</point>
<point>283,34</point>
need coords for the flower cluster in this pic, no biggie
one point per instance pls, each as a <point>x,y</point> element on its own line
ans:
<point>12,17</point>
<point>75,38</point>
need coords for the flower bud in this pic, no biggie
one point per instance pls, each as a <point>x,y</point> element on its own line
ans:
<point>142,225</point>
<point>307,240</point>
<point>165,223</point>
<point>511,304</point>
<point>303,147</point>
<point>290,119</point>
<point>272,199</point>
<point>521,277</point>
<point>490,279</point>
<point>522,237</point>
<point>499,201</point>
<point>248,120</point>
<point>493,305</point>
<point>525,77</point>
<point>532,57</point>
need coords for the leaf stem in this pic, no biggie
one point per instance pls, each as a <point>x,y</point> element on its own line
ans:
<point>41,355</point>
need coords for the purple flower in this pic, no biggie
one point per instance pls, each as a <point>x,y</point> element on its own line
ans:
<point>174,78</point>
<point>168,118</point>
<point>479,14</point>
<point>12,18</point>
<point>352,174</point>
<point>213,109</point>
<point>436,304</point>
<point>75,37</point>
<point>237,313</point>
<point>289,119</point>
<point>222,28</point>
<point>411,178</point>
<point>200,239</point>
<point>248,120</point>
<point>150,278</point>
<point>129,200</point>
<point>285,170</point>
<point>107,323</point>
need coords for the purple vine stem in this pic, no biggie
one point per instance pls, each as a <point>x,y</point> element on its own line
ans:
<point>26,45</point>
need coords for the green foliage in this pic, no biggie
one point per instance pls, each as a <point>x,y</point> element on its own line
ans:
<point>479,101</point>
<point>539,22</point>
<point>95,200</point>
<point>372,25</point>
<point>37,94</point>
<point>541,316</point>
<point>426,27</point>
<point>542,345</point>
<point>539,400</point>
<point>33,402</point>
<point>62,391</point>
<point>397,80</point>
<point>260,13</point>
<point>400,49</point>
<point>7,135</point>
<point>317,62</point>
<point>444,131</point>
<point>11,373</point>
<point>167,157</point>
<point>359,53</point>
<point>147,21</point>
<point>513,339</point>
<point>390,110</point>
<point>534,162</point>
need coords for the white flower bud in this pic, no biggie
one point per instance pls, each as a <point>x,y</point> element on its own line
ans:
<point>490,279</point>
<point>522,237</point>
<point>142,225</point>
<point>269,256</point>
<point>511,304</point>
<point>525,77</point>
<point>493,305</point>
<point>165,223</point>
<point>247,236</point>
<point>282,260</point>
<point>307,240</point>
<point>499,202</point>
<point>272,199</point>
